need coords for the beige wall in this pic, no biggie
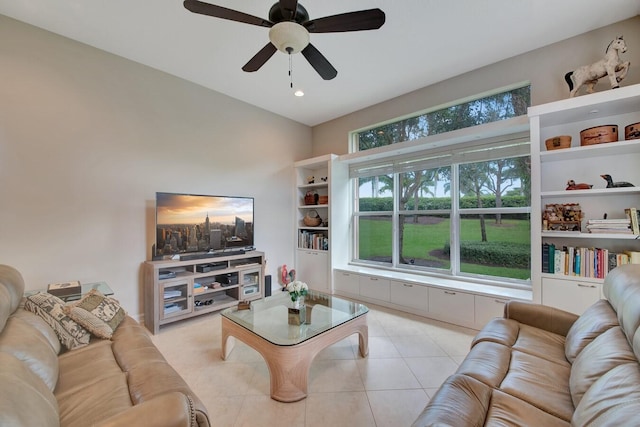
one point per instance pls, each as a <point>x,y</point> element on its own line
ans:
<point>86,140</point>
<point>544,68</point>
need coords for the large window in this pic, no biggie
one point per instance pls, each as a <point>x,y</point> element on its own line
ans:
<point>459,210</point>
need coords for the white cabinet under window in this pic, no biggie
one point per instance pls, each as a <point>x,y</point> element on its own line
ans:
<point>452,306</point>
<point>486,308</point>
<point>374,287</point>
<point>409,295</point>
<point>346,283</point>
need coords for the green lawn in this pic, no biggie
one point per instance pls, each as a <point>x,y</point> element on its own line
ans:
<point>425,242</point>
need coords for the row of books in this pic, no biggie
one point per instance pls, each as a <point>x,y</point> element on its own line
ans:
<point>313,240</point>
<point>611,226</point>
<point>584,262</point>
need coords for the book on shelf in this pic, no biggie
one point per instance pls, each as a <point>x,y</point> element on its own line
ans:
<point>612,226</point>
<point>313,240</point>
<point>632,215</point>
<point>583,262</point>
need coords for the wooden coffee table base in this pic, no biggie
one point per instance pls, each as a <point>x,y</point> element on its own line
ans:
<point>289,365</point>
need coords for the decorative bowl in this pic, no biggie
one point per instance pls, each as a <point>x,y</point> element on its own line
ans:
<point>557,142</point>
<point>599,135</point>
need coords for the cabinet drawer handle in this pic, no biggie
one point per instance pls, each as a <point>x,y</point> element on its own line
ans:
<point>586,286</point>
<point>449,293</point>
<point>407,285</point>
<point>373,278</point>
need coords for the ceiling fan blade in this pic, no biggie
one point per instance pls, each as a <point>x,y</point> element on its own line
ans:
<point>288,9</point>
<point>260,58</point>
<point>202,8</point>
<point>319,62</point>
<point>370,19</point>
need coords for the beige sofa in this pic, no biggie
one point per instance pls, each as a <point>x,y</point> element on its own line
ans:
<point>539,366</point>
<point>123,381</point>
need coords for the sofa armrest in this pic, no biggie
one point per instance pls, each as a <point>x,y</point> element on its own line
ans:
<point>168,410</point>
<point>540,316</point>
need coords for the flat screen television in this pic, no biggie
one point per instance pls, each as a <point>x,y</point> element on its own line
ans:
<point>190,223</point>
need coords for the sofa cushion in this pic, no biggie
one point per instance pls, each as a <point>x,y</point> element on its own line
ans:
<point>594,321</point>
<point>28,345</point>
<point>605,353</point>
<point>51,309</point>
<point>97,313</point>
<point>613,400</point>
<point>11,290</point>
<point>25,400</point>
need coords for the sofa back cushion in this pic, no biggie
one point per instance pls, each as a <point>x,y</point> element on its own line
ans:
<point>622,289</point>
<point>594,321</point>
<point>11,290</point>
<point>25,400</point>
<point>606,352</point>
<point>612,400</point>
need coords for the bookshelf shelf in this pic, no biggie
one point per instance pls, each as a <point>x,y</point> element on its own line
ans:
<point>583,164</point>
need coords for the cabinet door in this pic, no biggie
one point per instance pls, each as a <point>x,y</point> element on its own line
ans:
<point>250,281</point>
<point>375,287</point>
<point>570,295</point>
<point>486,308</point>
<point>347,282</point>
<point>175,299</point>
<point>452,306</point>
<point>410,295</point>
<point>312,268</point>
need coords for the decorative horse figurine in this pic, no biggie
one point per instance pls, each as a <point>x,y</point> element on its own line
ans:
<point>611,65</point>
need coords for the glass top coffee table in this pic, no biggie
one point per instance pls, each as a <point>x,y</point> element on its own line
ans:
<point>288,349</point>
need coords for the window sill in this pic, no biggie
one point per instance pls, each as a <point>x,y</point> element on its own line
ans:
<point>457,284</point>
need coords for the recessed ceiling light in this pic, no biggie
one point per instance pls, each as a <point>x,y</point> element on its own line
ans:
<point>298,93</point>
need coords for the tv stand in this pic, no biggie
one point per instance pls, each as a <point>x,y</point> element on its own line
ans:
<point>197,286</point>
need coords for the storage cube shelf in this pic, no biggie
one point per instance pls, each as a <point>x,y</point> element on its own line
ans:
<point>583,164</point>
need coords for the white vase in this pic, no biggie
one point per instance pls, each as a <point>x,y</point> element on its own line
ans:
<point>296,303</point>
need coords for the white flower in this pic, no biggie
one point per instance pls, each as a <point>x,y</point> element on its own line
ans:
<point>297,289</point>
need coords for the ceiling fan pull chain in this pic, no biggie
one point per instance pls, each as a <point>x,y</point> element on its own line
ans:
<point>290,68</point>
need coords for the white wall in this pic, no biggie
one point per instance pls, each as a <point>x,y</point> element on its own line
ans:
<point>86,140</point>
<point>544,68</point>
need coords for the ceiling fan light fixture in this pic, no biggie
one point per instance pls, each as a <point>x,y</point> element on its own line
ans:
<point>289,37</point>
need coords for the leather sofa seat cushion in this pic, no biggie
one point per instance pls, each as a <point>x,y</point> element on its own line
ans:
<point>613,400</point>
<point>465,401</point>
<point>541,382</point>
<point>595,320</point>
<point>522,337</point>
<point>25,400</point>
<point>92,387</point>
<point>28,345</point>
<point>487,362</point>
<point>607,351</point>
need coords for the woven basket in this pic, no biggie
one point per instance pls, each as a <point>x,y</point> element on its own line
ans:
<point>312,219</point>
<point>557,142</point>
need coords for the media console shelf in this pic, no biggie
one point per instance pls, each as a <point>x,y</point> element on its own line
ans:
<point>177,290</point>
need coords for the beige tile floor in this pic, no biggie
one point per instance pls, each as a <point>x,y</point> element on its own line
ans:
<point>409,357</point>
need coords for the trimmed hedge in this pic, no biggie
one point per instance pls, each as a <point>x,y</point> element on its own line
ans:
<point>507,254</point>
<point>368,204</point>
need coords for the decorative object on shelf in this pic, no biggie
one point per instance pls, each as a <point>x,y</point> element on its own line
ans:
<point>618,184</point>
<point>311,179</point>
<point>311,198</point>
<point>562,217</point>
<point>557,142</point>
<point>632,131</point>
<point>323,200</point>
<point>324,178</point>
<point>571,185</point>
<point>312,219</point>
<point>599,135</point>
<point>611,66</point>
<point>287,276</point>
<point>65,289</point>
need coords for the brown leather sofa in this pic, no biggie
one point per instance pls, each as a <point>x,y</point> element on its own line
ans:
<point>124,381</point>
<point>539,366</point>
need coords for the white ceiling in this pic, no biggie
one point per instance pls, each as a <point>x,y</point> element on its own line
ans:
<point>421,43</point>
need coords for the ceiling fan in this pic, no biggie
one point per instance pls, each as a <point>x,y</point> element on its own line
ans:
<point>290,27</point>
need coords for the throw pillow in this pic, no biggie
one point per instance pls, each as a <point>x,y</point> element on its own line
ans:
<point>51,309</point>
<point>98,313</point>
